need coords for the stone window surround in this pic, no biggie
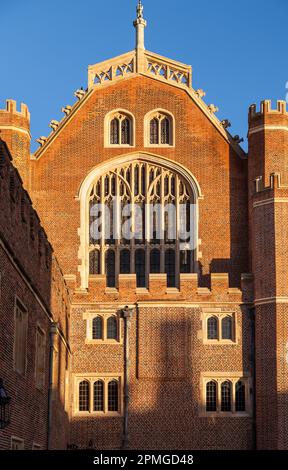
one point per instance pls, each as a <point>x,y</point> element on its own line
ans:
<point>148,117</point>
<point>107,121</point>
<point>219,378</point>
<point>92,378</point>
<point>104,314</point>
<point>219,314</point>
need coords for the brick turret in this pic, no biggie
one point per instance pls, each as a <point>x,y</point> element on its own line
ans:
<point>268,207</point>
<point>15,131</point>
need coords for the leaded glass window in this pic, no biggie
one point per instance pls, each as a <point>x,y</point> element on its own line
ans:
<point>212,328</point>
<point>211,396</point>
<point>226,396</point>
<point>113,404</point>
<point>240,404</point>
<point>84,396</point>
<point>98,396</point>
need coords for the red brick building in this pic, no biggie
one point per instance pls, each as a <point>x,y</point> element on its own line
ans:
<point>175,343</point>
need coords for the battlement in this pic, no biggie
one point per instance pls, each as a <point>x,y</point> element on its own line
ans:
<point>267,109</point>
<point>189,289</point>
<point>11,107</point>
<point>10,116</point>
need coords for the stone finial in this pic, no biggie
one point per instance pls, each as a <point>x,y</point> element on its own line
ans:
<point>54,124</point>
<point>79,93</point>
<point>140,9</point>
<point>67,110</point>
<point>42,140</point>
<point>140,25</point>
<point>226,123</point>
<point>213,108</point>
<point>201,93</point>
<point>237,139</point>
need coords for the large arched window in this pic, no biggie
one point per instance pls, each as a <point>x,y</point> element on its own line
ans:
<point>119,129</point>
<point>159,128</point>
<point>139,223</point>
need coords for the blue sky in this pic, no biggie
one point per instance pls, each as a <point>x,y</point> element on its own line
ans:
<point>238,50</point>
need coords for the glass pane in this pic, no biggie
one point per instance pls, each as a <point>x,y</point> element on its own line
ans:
<point>165,131</point>
<point>170,268</point>
<point>185,261</point>
<point>94,262</point>
<point>211,404</point>
<point>212,328</point>
<point>125,262</point>
<point>114,131</point>
<point>154,131</point>
<point>97,330</point>
<point>112,328</point>
<point>155,261</point>
<point>84,396</point>
<point>125,131</point>
<point>227,328</point>
<point>240,396</point>
<point>110,268</point>
<point>226,396</point>
<point>113,396</point>
<point>98,396</point>
<point>140,268</point>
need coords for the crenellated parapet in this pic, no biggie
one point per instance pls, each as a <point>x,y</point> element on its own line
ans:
<point>10,116</point>
<point>267,114</point>
<point>189,289</point>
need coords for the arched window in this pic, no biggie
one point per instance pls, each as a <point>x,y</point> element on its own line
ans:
<point>120,126</point>
<point>97,328</point>
<point>211,396</point>
<point>170,267</point>
<point>159,125</point>
<point>125,262</point>
<point>140,267</point>
<point>113,401</point>
<point>98,396</point>
<point>240,404</point>
<point>155,261</point>
<point>212,328</point>
<point>84,396</point>
<point>110,268</point>
<point>227,328</point>
<point>139,238</point>
<point>226,396</point>
<point>94,262</point>
<point>112,328</point>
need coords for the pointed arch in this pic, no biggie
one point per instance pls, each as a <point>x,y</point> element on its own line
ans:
<point>109,166</point>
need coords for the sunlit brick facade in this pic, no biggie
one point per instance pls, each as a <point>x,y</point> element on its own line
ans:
<point>198,359</point>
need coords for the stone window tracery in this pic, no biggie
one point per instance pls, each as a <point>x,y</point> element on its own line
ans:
<point>136,214</point>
